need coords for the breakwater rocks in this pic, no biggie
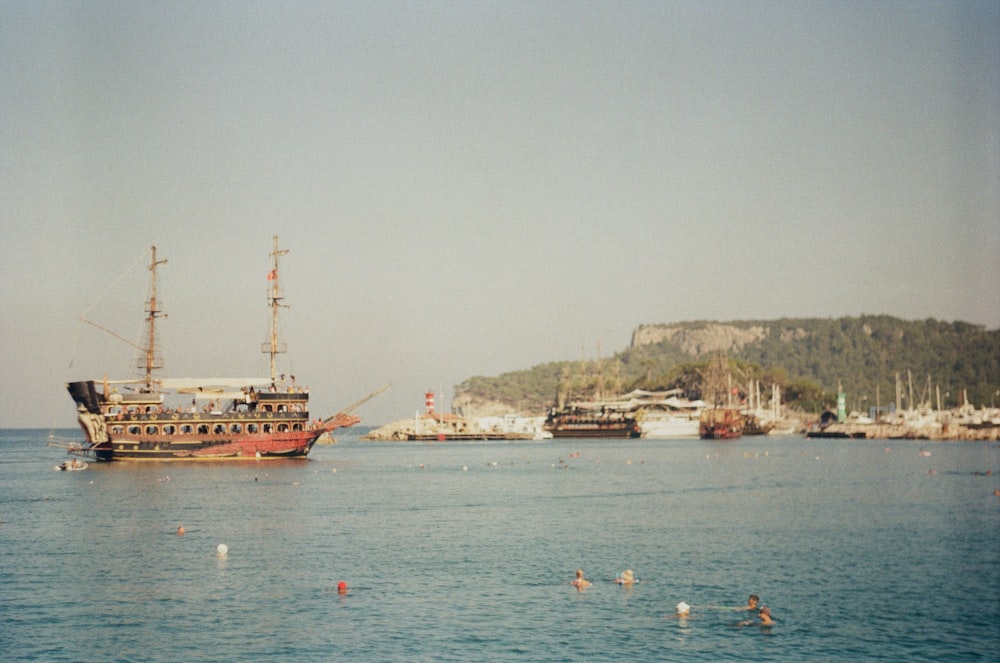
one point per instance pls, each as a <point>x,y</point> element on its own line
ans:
<point>428,427</point>
<point>441,427</point>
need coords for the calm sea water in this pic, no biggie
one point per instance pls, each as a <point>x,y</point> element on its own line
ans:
<point>464,551</point>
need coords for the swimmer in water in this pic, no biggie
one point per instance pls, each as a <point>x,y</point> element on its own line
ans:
<point>626,579</point>
<point>683,610</point>
<point>752,602</point>
<point>763,617</point>
<point>341,587</point>
<point>580,582</point>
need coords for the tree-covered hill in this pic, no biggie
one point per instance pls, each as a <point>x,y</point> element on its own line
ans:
<point>807,358</point>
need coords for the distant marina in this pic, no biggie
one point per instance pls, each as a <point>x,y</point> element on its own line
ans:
<point>664,416</point>
<point>961,424</point>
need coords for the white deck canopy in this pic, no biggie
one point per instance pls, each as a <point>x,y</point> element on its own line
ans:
<point>195,385</point>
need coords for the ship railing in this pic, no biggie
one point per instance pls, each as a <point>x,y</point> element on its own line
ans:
<point>253,415</point>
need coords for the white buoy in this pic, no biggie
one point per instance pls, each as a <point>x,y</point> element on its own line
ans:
<point>222,550</point>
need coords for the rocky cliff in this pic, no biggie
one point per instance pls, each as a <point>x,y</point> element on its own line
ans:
<point>708,337</point>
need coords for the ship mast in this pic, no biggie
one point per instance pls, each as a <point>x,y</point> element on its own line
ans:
<point>150,361</point>
<point>275,297</point>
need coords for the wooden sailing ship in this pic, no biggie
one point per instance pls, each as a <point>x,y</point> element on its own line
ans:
<point>208,418</point>
<point>720,423</point>
<point>593,414</point>
<point>591,420</point>
<point>724,420</point>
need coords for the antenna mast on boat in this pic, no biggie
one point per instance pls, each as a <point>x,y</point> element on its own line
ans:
<point>150,361</point>
<point>275,297</point>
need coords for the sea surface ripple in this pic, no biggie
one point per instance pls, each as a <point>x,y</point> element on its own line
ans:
<point>463,551</point>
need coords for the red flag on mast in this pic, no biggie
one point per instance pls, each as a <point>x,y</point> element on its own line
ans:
<point>271,275</point>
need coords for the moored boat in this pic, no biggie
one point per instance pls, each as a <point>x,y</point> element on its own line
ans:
<point>665,414</point>
<point>756,425</point>
<point>161,419</point>
<point>723,421</point>
<point>667,425</point>
<point>592,420</point>
<point>652,414</point>
<point>720,423</point>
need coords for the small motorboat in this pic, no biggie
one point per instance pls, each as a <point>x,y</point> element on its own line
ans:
<point>72,466</point>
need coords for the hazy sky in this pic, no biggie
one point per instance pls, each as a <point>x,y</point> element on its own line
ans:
<point>470,188</point>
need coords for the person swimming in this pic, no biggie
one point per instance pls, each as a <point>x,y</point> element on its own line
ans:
<point>763,618</point>
<point>682,610</point>
<point>580,582</point>
<point>626,579</point>
<point>752,602</point>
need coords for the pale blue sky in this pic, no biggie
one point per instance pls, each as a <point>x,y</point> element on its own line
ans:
<point>469,188</point>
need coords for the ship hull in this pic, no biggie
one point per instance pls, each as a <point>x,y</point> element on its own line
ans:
<point>211,448</point>
<point>718,433</point>
<point>596,432</point>
<point>669,428</point>
<point>273,425</point>
<point>596,427</point>
<point>720,424</point>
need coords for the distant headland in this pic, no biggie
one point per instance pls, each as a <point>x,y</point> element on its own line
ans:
<point>942,364</point>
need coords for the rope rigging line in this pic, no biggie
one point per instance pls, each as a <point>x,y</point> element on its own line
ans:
<point>107,291</point>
